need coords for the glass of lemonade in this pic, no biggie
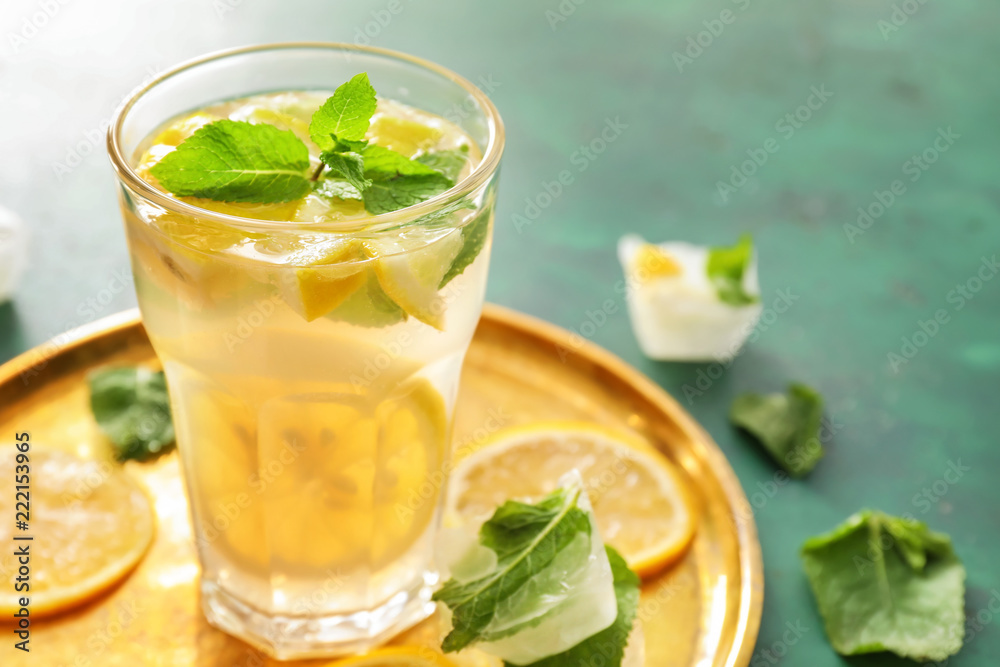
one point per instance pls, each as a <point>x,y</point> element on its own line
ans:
<point>312,350</point>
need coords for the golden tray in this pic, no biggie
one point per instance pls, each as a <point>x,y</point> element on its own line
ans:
<point>704,611</point>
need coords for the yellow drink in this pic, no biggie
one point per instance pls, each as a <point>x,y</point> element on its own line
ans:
<point>313,366</point>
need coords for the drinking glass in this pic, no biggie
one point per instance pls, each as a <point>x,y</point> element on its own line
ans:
<point>313,446</point>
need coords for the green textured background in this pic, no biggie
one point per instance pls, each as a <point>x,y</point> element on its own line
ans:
<point>556,85</point>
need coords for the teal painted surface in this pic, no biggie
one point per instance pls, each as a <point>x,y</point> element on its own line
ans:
<point>897,433</point>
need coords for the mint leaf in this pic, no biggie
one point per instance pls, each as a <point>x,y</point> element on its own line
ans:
<point>609,643</point>
<point>347,165</point>
<point>526,539</point>
<point>132,408</point>
<point>884,583</point>
<point>332,187</point>
<point>787,425</point>
<point>346,114</point>
<point>448,162</point>
<point>726,268</point>
<point>383,162</point>
<point>397,181</point>
<point>392,193</point>
<point>474,235</point>
<point>235,161</point>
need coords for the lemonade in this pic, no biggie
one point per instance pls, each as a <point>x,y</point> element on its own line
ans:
<point>312,360</point>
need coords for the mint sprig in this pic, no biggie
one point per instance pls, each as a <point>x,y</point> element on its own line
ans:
<point>235,161</point>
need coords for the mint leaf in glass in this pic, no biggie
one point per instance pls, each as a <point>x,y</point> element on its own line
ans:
<point>726,269</point>
<point>334,187</point>
<point>448,162</point>
<point>380,161</point>
<point>609,643</point>
<point>474,235</point>
<point>131,407</point>
<point>346,114</point>
<point>236,161</point>
<point>347,165</point>
<point>398,182</point>
<point>885,583</point>
<point>391,193</point>
<point>787,425</point>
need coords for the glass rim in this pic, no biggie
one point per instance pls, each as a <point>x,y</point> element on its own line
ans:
<point>477,178</point>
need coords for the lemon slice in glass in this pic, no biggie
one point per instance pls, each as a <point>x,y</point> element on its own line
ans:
<point>329,271</point>
<point>410,272</point>
<point>403,136</point>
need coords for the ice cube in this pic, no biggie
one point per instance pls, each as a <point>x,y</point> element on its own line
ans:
<point>675,309</point>
<point>573,602</point>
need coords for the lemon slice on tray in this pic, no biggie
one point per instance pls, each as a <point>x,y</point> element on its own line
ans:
<point>641,504</point>
<point>91,522</point>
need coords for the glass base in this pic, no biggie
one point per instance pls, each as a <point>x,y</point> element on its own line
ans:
<point>296,637</point>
